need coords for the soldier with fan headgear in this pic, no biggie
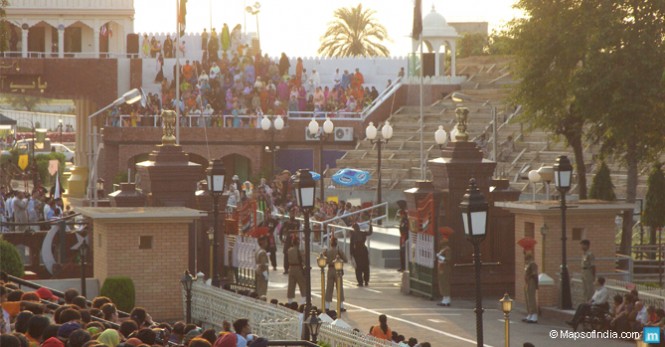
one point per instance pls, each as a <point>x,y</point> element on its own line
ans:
<point>530,279</point>
<point>445,266</point>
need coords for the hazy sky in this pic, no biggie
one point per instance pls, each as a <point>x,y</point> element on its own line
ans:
<point>295,26</point>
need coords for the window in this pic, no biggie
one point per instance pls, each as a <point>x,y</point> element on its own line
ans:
<point>145,242</point>
<point>529,229</point>
<point>578,234</point>
<point>24,251</point>
<point>73,39</point>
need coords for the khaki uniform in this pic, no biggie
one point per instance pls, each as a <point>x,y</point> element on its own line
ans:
<point>296,273</point>
<point>445,271</point>
<point>331,254</point>
<point>531,285</point>
<point>261,272</point>
<point>588,277</point>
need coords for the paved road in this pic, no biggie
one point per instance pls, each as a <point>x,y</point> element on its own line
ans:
<point>421,318</point>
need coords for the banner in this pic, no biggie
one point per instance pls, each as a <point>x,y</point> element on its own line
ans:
<point>23,161</point>
<point>53,166</point>
<point>421,220</point>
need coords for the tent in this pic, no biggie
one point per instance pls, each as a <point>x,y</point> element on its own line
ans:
<point>4,120</point>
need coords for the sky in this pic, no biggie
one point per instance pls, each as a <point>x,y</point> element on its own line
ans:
<point>296,26</point>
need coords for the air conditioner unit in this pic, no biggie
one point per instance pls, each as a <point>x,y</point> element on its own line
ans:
<point>343,134</point>
<point>312,137</point>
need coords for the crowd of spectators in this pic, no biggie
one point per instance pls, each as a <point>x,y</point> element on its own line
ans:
<point>231,80</point>
<point>36,207</point>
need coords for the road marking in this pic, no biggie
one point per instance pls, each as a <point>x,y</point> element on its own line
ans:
<point>432,314</point>
<point>373,290</point>
<point>457,337</point>
<point>436,321</point>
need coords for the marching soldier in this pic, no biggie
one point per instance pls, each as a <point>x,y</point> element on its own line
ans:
<point>262,266</point>
<point>290,227</point>
<point>296,273</point>
<point>588,270</point>
<point>360,253</point>
<point>331,254</point>
<point>445,267</point>
<point>530,280</point>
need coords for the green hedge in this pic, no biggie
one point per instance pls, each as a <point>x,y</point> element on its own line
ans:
<point>120,290</point>
<point>10,259</point>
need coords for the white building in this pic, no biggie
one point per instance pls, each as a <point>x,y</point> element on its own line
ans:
<point>69,28</point>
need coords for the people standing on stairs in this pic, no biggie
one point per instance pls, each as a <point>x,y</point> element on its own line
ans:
<point>360,253</point>
<point>296,272</point>
<point>403,233</point>
<point>160,68</point>
<point>262,267</point>
<point>445,266</point>
<point>331,253</point>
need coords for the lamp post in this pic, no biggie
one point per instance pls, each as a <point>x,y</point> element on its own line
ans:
<point>506,307</point>
<point>387,134</point>
<point>254,10</point>
<point>474,216</point>
<point>83,253</point>
<point>187,280</point>
<point>440,136</point>
<point>272,127</point>
<point>305,189</point>
<point>563,172</point>
<point>129,98</point>
<point>60,126</point>
<point>211,239</point>
<point>314,324</point>
<point>339,267</point>
<point>328,129</point>
<point>534,178</point>
<point>322,261</point>
<point>215,173</point>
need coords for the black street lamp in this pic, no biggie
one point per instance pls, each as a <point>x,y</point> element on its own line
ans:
<point>272,127</point>
<point>328,129</point>
<point>305,191</point>
<point>314,324</point>
<point>215,173</point>
<point>371,133</point>
<point>474,216</point>
<point>563,173</point>
<point>187,280</point>
<point>83,253</point>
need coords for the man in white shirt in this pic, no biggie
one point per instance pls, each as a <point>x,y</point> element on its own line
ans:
<point>599,298</point>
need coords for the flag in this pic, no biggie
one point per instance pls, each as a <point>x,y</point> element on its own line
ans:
<point>417,19</point>
<point>53,166</point>
<point>103,30</point>
<point>57,187</point>
<point>182,16</point>
<point>23,161</point>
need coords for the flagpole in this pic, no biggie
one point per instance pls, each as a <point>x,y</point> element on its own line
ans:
<point>422,118</point>
<point>177,75</point>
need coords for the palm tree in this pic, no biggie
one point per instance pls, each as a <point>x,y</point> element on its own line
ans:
<point>354,32</point>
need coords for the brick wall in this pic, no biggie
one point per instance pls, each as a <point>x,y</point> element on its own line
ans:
<point>156,272</point>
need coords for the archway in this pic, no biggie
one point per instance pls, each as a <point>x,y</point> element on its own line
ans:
<point>237,164</point>
<point>111,36</point>
<point>42,39</point>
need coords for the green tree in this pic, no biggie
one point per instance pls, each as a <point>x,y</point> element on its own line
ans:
<point>120,290</point>
<point>499,43</point>
<point>654,209</point>
<point>354,32</point>
<point>549,45</point>
<point>602,187</point>
<point>622,92</point>
<point>471,44</point>
<point>23,102</point>
<point>10,259</point>
<point>4,26</point>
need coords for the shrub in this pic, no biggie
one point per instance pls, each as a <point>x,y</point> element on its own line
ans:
<point>10,259</point>
<point>602,187</point>
<point>120,289</point>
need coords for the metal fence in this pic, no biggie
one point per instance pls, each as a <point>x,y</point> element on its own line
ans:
<point>647,294</point>
<point>211,306</point>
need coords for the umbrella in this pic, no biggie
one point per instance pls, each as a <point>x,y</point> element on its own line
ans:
<point>315,176</point>
<point>351,177</point>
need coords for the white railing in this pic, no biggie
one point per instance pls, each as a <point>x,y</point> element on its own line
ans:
<point>337,115</point>
<point>384,96</point>
<point>211,306</point>
<point>73,55</point>
<point>71,4</point>
<point>648,295</point>
<point>46,120</point>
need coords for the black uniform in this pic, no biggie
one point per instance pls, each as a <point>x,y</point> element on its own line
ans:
<point>360,253</point>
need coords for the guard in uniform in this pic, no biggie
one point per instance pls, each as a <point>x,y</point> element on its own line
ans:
<point>296,272</point>
<point>331,254</point>
<point>290,227</point>
<point>262,266</point>
<point>530,280</point>
<point>445,266</point>
<point>403,233</point>
<point>360,253</point>
<point>588,270</point>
